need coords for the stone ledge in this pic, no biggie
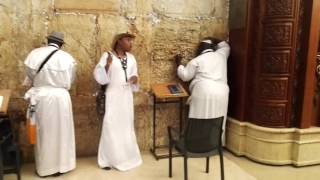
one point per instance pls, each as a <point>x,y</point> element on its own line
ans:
<point>274,146</point>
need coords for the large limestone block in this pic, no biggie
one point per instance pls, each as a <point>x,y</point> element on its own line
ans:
<point>80,37</point>
<point>6,46</point>
<point>170,37</point>
<point>6,14</point>
<point>23,28</point>
<point>142,121</point>
<point>142,98</point>
<point>109,26</point>
<point>87,125</point>
<point>183,8</point>
<point>166,115</point>
<point>133,8</point>
<point>41,13</point>
<point>108,5</point>
<point>217,28</point>
<point>221,9</point>
<point>29,22</point>
<point>142,50</point>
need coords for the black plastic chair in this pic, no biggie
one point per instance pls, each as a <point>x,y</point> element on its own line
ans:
<point>201,139</point>
<point>9,151</point>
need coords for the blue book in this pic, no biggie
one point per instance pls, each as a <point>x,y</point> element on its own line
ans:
<point>174,89</point>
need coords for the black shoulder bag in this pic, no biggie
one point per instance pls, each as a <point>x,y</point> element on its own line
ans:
<point>101,101</point>
<point>46,60</point>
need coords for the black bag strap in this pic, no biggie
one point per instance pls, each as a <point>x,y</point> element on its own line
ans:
<point>46,60</point>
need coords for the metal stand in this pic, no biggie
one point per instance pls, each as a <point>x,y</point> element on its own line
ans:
<point>158,154</point>
<point>1,163</point>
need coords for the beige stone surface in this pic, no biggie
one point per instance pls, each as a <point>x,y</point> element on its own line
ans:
<point>87,126</point>
<point>304,154</point>
<point>170,38</point>
<point>22,28</point>
<point>275,146</point>
<point>80,37</point>
<point>109,5</point>
<point>162,29</point>
<point>182,8</point>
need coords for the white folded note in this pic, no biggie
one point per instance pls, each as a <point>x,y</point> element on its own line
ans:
<point>1,99</point>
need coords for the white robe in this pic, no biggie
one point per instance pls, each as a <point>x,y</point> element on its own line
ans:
<point>55,146</point>
<point>118,146</point>
<point>209,87</point>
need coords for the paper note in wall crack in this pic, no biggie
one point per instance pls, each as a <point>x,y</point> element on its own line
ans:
<point>1,99</point>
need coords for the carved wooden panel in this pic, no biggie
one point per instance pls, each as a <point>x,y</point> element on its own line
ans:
<point>270,43</point>
<point>273,88</point>
<point>280,8</point>
<point>277,34</point>
<point>275,61</point>
<point>270,115</point>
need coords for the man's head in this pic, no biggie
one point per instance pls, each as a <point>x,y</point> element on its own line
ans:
<point>207,43</point>
<point>56,38</point>
<point>123,41</point>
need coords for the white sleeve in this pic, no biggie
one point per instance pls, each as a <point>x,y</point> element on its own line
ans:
<point>224,49</point>
<point>134,72</point>
<point>100,74</point>
<point>188,72</point>
<point>73,72</point>
<point>30,74</point>
<point>27,82</point>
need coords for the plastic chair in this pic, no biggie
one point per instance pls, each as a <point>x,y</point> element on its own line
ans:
<point>200,139</point>
<point>9,151</point>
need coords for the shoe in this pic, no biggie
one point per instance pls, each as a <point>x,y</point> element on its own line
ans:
<point>107,168</point>
<point>56,174</point>
<point>51,175</point>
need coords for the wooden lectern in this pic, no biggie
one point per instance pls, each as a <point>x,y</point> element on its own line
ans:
<point>162,95</point>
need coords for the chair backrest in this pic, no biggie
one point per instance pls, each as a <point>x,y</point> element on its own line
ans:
<point>5,128</point>
<point>203,135</point>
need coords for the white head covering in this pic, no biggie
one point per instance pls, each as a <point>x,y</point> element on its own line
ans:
<point>208,41</point>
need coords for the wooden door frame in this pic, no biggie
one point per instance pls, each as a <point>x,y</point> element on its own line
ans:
<point>310,78</point>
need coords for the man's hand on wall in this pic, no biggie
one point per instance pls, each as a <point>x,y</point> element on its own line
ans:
<point>178,59</point>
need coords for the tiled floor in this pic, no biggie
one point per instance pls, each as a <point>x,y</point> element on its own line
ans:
<point>236,168</point>
<point>267,172</point>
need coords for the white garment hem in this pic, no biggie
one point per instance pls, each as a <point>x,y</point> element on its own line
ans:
<point>60,169</point>
<point>122,167</point>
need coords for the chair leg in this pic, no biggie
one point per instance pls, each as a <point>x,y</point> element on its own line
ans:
<point>170,159</point>
<point>221,164</point>
<point>1,165</point>
<point>207,164</point>
<point>185,159</point>
<point>18,161</point>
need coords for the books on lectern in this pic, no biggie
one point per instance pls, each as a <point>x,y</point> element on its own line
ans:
<point>169,90</point>
<point>174,89</point>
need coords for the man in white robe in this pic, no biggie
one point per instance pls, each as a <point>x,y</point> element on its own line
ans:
<point>209,88</point>
<point>55,141</point>
<point>118,146</point>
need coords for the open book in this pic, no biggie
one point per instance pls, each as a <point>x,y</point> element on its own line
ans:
<point>174,89</point>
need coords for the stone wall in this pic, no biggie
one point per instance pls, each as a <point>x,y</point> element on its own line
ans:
<point>163,28</point>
